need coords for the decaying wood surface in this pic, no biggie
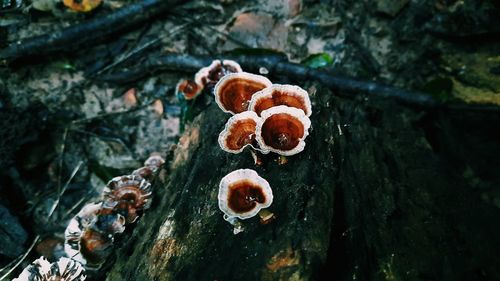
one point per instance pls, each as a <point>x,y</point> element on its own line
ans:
<point>371,197</point>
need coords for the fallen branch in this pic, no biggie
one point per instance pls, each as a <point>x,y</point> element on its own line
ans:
<point>276,65</point>
<point>88,31</point>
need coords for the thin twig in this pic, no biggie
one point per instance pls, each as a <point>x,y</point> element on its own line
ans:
<point>61,192</point>
<point>23,257</point>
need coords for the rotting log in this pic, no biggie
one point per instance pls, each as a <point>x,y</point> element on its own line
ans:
<point>372,197</point>
<point>184,236</point>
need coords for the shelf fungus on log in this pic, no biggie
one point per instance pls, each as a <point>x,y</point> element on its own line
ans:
<point>289,95</point>
<point>234,91</point>
<point>210,75</point>
<point>242,195</point>
<point>151,166</point>
<point>239,133</point>
<point>127,195</point>
<point>189,89</point>
<point>82,5</point>
<point>283,130</point>
<point>90,235</point>
<point>42,270</point>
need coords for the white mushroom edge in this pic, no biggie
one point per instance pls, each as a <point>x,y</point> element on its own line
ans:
<point>227,131</point>
<point>239,175</point>
<point>292,90</point>
<point>235,76</point>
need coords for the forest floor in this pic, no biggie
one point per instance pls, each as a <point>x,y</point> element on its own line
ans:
<point>58,118</point>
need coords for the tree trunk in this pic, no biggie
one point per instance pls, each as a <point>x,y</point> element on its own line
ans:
<point>400,210</point>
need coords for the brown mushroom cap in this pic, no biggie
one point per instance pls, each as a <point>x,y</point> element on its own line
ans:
<point>82,5</point>
<point>42,270</point>
<point>189,89</point>
<point>239,132</point>
<point>127,195</point>
<point>283,130</point>
<point>289,95</point>
<point>215,71</point>
<point>243,193</point>
<point>89,235</point>
<point>234,91</point>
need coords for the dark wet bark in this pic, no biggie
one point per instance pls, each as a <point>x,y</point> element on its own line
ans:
<point>379,193</point>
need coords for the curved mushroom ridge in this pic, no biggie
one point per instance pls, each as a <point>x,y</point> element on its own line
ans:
<point>289,95</point>
<point>129,195</point>
<point>234,91</point>
<point>240,134</point>
<point>282,131</point>
<point>244,195</point>
<point>65,269</point>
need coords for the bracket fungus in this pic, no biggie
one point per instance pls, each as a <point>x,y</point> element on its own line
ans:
<point>151,166</point>
<point>289,95</point>
<point>239,132</point>
<point>82,5</point>
<point>42,270</point>
<point>127,195</point>
<point>242,195</point>
<point>234,91</point>
<point>283,130</point>
<point>89,235</point>
<point>189,89</point>
<point>215,71</point>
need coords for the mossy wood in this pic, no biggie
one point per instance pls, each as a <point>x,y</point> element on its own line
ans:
<point>372,197</point>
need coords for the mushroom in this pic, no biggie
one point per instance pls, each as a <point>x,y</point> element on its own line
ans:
<point>283,130</point>
<point>239,132</point>
<point>234,91</point>
<point>89,235</point>
<point>189,89</point>
<point>42,270</point>
<point>126,195</point>
<point>289,95</point>
<point>82,5</point>
<point>151,166</point>
<point>211,74</point>
<point>242,195</point>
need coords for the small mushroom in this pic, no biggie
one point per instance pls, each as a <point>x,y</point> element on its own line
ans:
<point>234,91</point>
<point>89,235</point>
<point>242,194</point>
<point>211,74</point>
<point>283,130</point>
<point>239,132</point>
<point>127,195</point>
<point>151,166</point>
<point>289,95</point>
<point>154,161</point>
<point>189,89</point>
<point>42,270</point>
<point>82,5</point>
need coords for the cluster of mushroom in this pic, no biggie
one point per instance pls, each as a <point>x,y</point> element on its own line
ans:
<point>268,118</point>
<point>90,234</point>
